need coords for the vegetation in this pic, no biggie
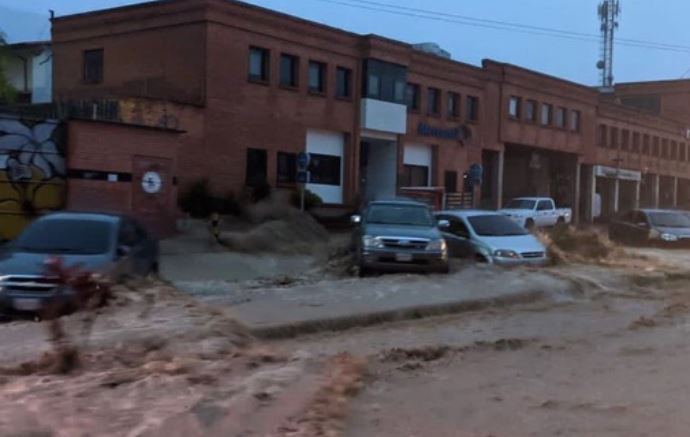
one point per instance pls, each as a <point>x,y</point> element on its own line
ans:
<point>199,201</point>
<point>311,199</point>
<point>7,92</point>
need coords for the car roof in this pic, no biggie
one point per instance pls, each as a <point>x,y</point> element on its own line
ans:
<point>400,202</point>
<point>91,216</point>
<point>468,212</point>
<point>646,210</point>
<point>531,198</point>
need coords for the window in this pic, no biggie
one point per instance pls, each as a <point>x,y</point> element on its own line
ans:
<point>259,64</point>
<point>544,205</point>
<point>74,237</point>
<point>289,70</point>
<point>601,137</point>
<point>546,110</point>
<point>645,144</point>
<point>256,167</point>
<point>324,169</point>
<point>625,139</point>
<point>450,181</point>
<point>664,148</point>
<point>575,121</point>
<point>682,152</point>
<point>674,150</point>
<point>286,168</point>
<point>415,176</point>
<point>412,96</point>
<point>317,77</point>
<point>514,107</point>
<point>613,139</point>
<point>472,108</point>
<point>560,117</point>
<point>636,142</point>
<point>655,147</point>
<point>433,101</point>
<point>343,83</point>
<point>531,111</point>
<point>93,66</point>
<point>384,81</point>
<point>453,105</point>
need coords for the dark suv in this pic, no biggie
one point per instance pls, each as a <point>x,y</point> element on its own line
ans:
<point>399,236</point>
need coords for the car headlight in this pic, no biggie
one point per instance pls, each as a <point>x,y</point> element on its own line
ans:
<point>370,242</point>
<point>504,253</point>
<point>668,237</point>
<point>436,245</point>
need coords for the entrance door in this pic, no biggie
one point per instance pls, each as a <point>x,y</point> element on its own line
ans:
<point>153,193</point>
<point>378,169</point>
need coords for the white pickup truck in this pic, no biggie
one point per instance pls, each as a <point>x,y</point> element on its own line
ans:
<point>536,211</point>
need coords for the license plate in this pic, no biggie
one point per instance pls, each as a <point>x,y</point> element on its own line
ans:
<point>403,257</point>
<point>27,304</point>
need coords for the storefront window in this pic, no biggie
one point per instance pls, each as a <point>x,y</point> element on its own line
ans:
<point>324,169</point>
<point>415,176</point>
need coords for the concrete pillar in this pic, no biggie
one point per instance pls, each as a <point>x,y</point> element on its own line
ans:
<point>655,190</point>
<point>675,192</point>
<point>637,194</point>
<point>499,179</point>
<point>576,195</point>
<point>616,194</point>
<point>592,191</point>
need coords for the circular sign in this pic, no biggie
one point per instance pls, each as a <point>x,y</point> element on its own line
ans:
<point>151,182</point>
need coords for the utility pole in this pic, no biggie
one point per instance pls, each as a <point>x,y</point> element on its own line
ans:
<point>608,10</point>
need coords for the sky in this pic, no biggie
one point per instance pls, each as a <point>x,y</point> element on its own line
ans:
<point>572,59</point>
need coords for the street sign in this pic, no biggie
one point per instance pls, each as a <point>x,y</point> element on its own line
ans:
<point>302,161</point>
<point>302,177</point>
<point>475,174</point>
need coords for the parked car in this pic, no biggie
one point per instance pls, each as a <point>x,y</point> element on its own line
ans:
<point>399,236</point>
<point>488,236</point>
<point>113,245</point>
<point>536,211</point>
<point>651,226</point>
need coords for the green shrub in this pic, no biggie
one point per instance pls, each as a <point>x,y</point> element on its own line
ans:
<point>229,205</point>
<point>197,199</point>
<point>311,199</point>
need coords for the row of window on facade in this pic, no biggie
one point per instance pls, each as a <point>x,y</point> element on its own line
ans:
<point>323,169</point>
<point>317,73</point>
<point>645,144</point>
<point>529,110</point>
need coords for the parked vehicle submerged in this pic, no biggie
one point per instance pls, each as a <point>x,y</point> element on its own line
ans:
<point>651,226</point>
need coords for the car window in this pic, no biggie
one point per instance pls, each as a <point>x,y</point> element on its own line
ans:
<point>520,204</point>
<point>457,227</point>
<point>639,217</point>
<point>669,219</point>
<point>70,236</point>
<point>544,205</point>
<point>493,225</point>
<point>399,214</point>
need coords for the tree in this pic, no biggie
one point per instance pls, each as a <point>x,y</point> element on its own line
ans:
<point>7,92</point>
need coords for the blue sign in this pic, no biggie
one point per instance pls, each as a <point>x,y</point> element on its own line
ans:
<point>303,161</point>
<point>475,174</point>
<point>458,133</point>
<point>302,177</point>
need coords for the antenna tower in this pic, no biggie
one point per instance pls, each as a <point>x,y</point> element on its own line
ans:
<point>609,11</point>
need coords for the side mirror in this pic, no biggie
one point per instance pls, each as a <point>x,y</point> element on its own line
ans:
<point>356,219</point>
<point>443,224</point>
<point>122,251</point>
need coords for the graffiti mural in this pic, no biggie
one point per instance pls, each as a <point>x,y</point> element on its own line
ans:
<point>32,171</point>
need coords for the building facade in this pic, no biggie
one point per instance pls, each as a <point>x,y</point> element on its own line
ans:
<point>249,88</point>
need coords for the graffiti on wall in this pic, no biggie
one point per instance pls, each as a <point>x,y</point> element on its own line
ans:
<point>32,171</point>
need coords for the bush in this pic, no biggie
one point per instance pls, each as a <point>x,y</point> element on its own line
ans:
<point>261,192</point>
<point>229,205</point>
<point>197,199</point>
<point>311,199</point>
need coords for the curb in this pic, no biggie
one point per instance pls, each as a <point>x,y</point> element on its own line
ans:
<point>342,323</point>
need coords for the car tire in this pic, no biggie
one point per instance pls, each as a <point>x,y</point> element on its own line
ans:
<point>529,224</point>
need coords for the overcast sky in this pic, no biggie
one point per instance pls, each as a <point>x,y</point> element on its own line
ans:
<point>644,20</point>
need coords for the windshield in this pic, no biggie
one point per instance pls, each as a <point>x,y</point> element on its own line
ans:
<point>520,204</point>
<point>669,220</point>
<point>495,226</point>
<point>399,215</point>
<point>85,237</point>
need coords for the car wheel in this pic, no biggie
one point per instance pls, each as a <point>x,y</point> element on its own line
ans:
<point>529,224</point>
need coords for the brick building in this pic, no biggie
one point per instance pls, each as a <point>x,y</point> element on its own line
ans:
<point>248,88</point>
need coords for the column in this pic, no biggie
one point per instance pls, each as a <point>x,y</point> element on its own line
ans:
<point>576,200</point>
<point>655,190</point>
<point>675,192</point>
<point>592,185</point>
<point>637,194</point>
<point>616,194</point>
<point>499,180</point>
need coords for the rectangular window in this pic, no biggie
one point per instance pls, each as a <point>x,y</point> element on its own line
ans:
<point>682,152</point>
<point>546,110</point>
<point>664,148</point>
<point>613,139</point>
<point>575,121</point>
<point>256,167</point>
<point>343,83</point>
<point>655,147</point>
<point>412,96</point>
<point>560,117</point>
<point>636,142</point>
<point>514,107</point>
<point>415,176</point>
<point>674,150</point>
<point>93,66</point>
<point>472,108</point>
<point>289,70</point>
<point>317,77</point>
<point>625,139</point>
<point>601,137</point>
<point>259,60</point>
<point>453,105</point>
<point>324,169</point>
<point>286,167</point>
<point>645,145</point>
<point>433,101</point>
<point>384,81</point>
<point>450,181</point>
<point>531,111</point>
